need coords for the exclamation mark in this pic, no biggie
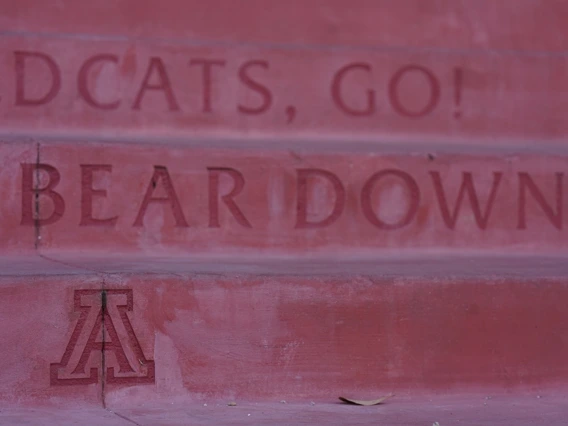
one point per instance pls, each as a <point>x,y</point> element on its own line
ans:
<point>458,78</point>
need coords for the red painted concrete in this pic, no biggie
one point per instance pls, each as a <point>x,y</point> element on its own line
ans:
<point>511,25</point>
<point>409,265</point>
<point>36,316</point>
<point>15,240</point>
<point>156,201</point>
<point>256,337</point>
<point>204,202</point>
<point>125,88</point>
<point>465,410</point>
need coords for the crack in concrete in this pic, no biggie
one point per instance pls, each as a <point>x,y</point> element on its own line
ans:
<point>103,359</point>
<point>85,270</point>
<point>37,242</point>
<point>37,229</point>
<point>123,417</point>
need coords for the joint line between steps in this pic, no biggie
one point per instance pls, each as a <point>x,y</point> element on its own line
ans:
<point>192,42</point>
<point>59,262</point>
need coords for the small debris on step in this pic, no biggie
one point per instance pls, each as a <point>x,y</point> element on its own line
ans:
<point>232,404</point>
<point>366,402</point>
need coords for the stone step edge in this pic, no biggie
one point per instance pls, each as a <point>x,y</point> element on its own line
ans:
<point>402,264</point>
<point>278,338</point>
<point>316,141</point>
<point>467,409</point>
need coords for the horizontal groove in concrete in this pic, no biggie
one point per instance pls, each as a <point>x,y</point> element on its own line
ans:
<point>402,265</point>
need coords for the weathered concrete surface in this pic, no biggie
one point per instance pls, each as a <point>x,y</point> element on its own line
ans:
<point>167,338</point>
<point>166,165</point>
<point>157,201</point>
<point>36,316</point>
<point>410,265</point>
<point>467,73</point>
<point>159,89</point>
<point>15,240</point>
<point>516,26</point>
<point>464,410</point>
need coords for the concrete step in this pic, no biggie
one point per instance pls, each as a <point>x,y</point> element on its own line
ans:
<point>204,203</point>
<point>468,74</point>
<point>131,338</point>
<point>408,265</point>
<point>362,23</point>
<point>448,410</point>
<point>97,198</point>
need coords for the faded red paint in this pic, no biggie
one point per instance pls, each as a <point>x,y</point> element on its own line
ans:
<point>171,171</point>
<point>103,328</point>
<point>225,335</point>
<point>348,96</point>
<point>194,200</point>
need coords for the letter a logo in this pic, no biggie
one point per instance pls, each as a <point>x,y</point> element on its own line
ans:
<point>96,342</point>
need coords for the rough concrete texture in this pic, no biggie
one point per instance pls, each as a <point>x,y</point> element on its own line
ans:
<point>160,90</point>
<point>133,339</point>
<point>157,200</point>
<point>467,73</point>
<point>466,410</point>
<point>258,201</point>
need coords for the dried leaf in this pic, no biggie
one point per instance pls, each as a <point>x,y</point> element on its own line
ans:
<point>367,403</point>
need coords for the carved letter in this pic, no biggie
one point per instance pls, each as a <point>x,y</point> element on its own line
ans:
<point>87,193</point>
<point>414,199</point>
<point>525,181</point>
<point>467,186</point>
<point>164,85</point>
<point>257,87</point>
<point>206,72</point>
<point>30,195</point>
<point>111,343</point>
<point>21,98</point>
<point>239,183</point>
<point>161,173</point>
<point>83,82</point>
<point>302,200</point>
<point>434,91</point>
<point>336,91</point>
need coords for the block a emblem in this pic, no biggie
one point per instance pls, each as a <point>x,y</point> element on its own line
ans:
<point>102,340</point>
